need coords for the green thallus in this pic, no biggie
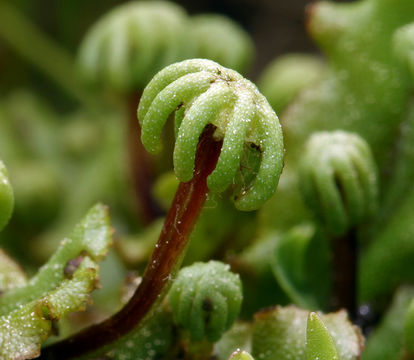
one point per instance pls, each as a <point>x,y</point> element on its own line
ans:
<point>339,179</point>
<point>131,43</point>
<point>206,299</point>
<point>211,103</point>
<point>202,92</point>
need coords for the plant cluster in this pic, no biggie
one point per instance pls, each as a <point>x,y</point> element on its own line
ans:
<point>270,239</point>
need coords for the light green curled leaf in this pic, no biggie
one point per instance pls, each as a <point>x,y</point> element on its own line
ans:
<point>91,237</point>
<point>319,342</point>
<point>6,197</point>
<point>244,120</point>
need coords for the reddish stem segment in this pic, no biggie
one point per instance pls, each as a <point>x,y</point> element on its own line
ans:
<point>140,167</point>
<point>180,220</point>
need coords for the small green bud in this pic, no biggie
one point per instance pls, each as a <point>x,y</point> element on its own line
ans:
<point>125,48</point>
<point>202,92</point>
<point>6,197</point>
<point>339,179</point>
<point>206,299</point>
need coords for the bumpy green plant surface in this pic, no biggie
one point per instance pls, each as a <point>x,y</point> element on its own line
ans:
<point>204,92</point>
<point>206,299</point>
<point>345,196</point>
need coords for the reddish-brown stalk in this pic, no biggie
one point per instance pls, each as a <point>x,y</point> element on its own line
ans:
<point>180,220</point>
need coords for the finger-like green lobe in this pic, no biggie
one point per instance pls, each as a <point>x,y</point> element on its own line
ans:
<point>132,42</point>
<point>206,299</point>
<point>202,92</point>
<point>339,179</point>
<point>319,342</point>
<point>6,197</point>
<point>91,238</point>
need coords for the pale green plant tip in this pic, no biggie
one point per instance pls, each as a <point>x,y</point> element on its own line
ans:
<point>131,43</point>
<point>319,342</point>
<point>6,197</point>
<point>339,179</point>
<point>212,94</point>
<point>206,299</point>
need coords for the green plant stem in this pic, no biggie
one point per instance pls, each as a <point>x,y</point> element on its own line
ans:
<point>33,45</point>
<point>165,260</point>
<point>141,170</point>
<point>345,273</point>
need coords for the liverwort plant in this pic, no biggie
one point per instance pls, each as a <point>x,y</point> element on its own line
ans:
<point>125,49</point>
<point>219,117</point>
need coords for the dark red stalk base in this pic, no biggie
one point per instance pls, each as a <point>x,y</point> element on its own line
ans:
<point>182,216</point>
<point>345,273</point>
<point>140,167</point>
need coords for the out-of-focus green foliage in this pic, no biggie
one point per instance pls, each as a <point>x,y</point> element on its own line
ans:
<point>342,117</point>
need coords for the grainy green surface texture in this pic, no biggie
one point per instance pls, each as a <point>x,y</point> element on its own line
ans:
<point>212,94</point>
